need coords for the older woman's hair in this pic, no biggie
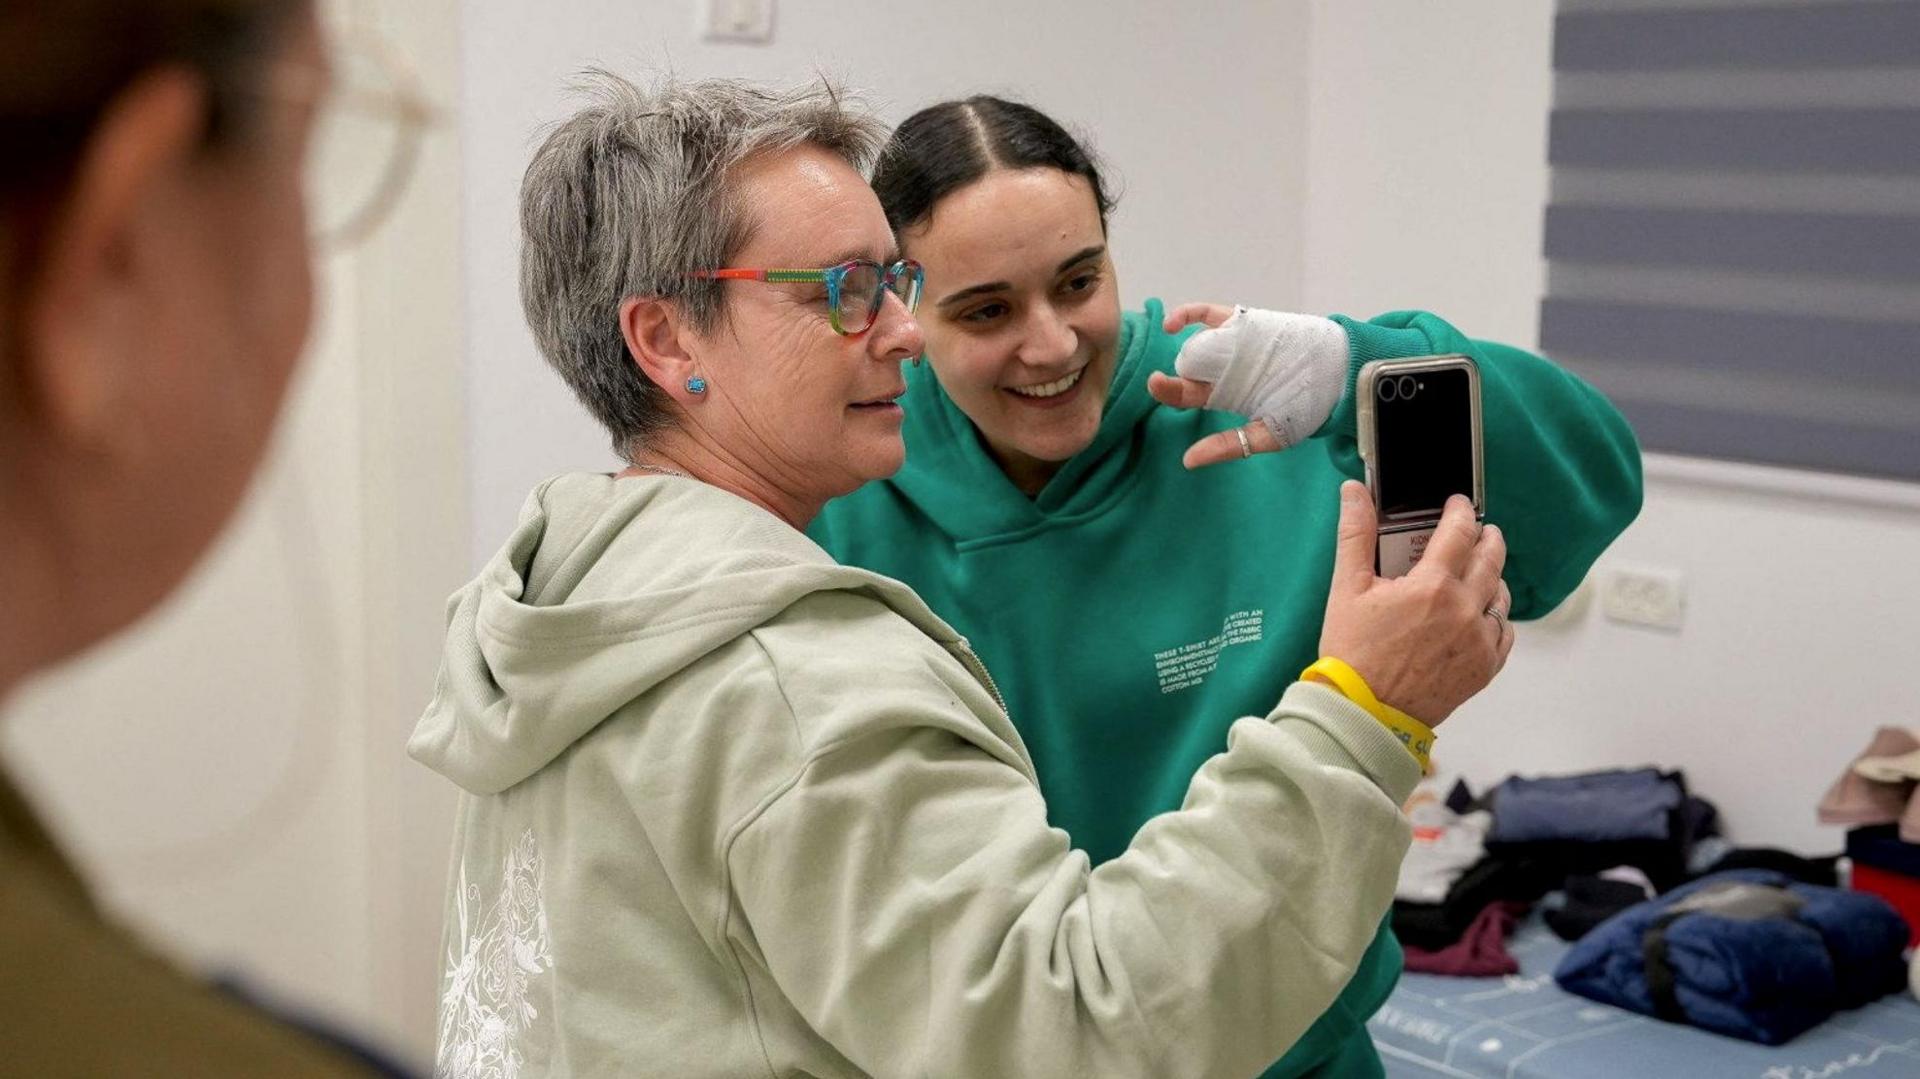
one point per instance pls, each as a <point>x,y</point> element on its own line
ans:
<point>634,191</point>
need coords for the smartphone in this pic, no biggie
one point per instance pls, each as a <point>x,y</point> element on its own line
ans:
<point>1420,441</point>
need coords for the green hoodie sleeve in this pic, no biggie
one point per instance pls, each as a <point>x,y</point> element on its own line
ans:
<point>1562,466</point>
<point>908,898</point>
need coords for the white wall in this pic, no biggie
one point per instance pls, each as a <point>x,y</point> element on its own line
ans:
<point>1426,160</point>
<point>1198,110</point>
<point>1426,174</point>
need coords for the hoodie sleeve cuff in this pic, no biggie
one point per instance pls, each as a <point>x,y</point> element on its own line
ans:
<point>1367,342</point>
<point>1337,732</point>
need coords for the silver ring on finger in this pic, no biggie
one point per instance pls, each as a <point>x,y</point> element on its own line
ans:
<point>1494,612</point>
<point>1246,444</point>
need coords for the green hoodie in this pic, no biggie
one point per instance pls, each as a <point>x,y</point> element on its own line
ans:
<point>730,809</point>
<point>1133,606</point>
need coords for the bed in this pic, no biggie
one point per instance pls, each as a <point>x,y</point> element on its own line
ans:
<point>1526,1027</point>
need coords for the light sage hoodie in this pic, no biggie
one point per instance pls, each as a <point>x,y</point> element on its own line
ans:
<point>731,809</point>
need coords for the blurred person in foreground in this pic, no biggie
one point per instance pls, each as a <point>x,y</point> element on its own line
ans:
<point>155,293</point>
<point>729,808</point>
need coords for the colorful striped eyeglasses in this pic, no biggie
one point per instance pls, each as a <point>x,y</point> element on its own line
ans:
<point>855,288</point>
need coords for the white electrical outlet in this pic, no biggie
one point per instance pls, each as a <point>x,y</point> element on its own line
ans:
<point>1645,596</point>
<point>738,20</point>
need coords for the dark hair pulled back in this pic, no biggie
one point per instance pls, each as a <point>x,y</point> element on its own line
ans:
<point>945,147</point>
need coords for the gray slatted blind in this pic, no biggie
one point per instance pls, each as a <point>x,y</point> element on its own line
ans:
<point>1733,238</point>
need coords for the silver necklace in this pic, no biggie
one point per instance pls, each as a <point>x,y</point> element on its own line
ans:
<point>664,471</point>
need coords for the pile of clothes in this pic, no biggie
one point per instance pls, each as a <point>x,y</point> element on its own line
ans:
<point>1607,840</point>
<point>1453,907</point>
<point>1878,798</point>
<point>1670,919</point>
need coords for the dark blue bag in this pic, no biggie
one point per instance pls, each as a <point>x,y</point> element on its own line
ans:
<point>1747,953</point>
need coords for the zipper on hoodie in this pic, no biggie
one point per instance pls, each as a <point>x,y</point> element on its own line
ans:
<point>979,671</point>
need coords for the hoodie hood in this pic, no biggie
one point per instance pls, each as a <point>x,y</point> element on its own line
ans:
<point>606,588</point>
<point>945,454</point>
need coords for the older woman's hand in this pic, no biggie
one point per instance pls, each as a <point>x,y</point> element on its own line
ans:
<point>1285,371</point>
<point>1429,640</point>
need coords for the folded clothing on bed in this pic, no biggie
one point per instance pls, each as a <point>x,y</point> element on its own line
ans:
<point>1591,807</point>
<point>1880,846</point>
<point>1822,870</point>
<point>1588,822</point>
<point>1902,893</point>
<point>1590,901</point>
<point>1480,953</point>
<point>1437,926</point>
<point>1446,841</point>
<point>1748,953</point>
<point>1889,867</point>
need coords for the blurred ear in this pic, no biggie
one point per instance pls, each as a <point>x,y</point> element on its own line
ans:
<point>97,267</point>
<point>658,340</point>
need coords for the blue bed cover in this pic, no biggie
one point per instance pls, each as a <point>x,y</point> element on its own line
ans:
<point>1526,1027</point>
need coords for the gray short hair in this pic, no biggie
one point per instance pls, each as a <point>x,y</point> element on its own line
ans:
<point>631,193</point>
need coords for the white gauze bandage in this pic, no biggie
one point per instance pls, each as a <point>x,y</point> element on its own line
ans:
<point>1285,370</point>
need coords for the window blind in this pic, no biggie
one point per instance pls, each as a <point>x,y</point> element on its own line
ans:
<point>1733,231</point>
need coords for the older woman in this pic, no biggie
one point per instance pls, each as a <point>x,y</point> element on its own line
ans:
<point>733,809</point>
<point>154,295</point>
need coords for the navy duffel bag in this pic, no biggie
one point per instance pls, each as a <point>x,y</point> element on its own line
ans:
<point>1748,953</point>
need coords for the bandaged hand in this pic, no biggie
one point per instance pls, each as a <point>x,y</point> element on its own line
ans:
<point>1284,371</point>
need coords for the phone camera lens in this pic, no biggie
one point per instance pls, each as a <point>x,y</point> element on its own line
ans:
<point>1388,389</point>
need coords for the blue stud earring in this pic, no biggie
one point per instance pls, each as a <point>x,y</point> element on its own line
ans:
<point>696,385</point>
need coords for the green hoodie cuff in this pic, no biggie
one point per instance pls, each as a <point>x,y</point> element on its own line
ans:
<point>1337,732</point>
<point>1367,342</point>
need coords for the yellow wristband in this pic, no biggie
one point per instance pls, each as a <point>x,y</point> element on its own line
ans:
<point>1415,735</point>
